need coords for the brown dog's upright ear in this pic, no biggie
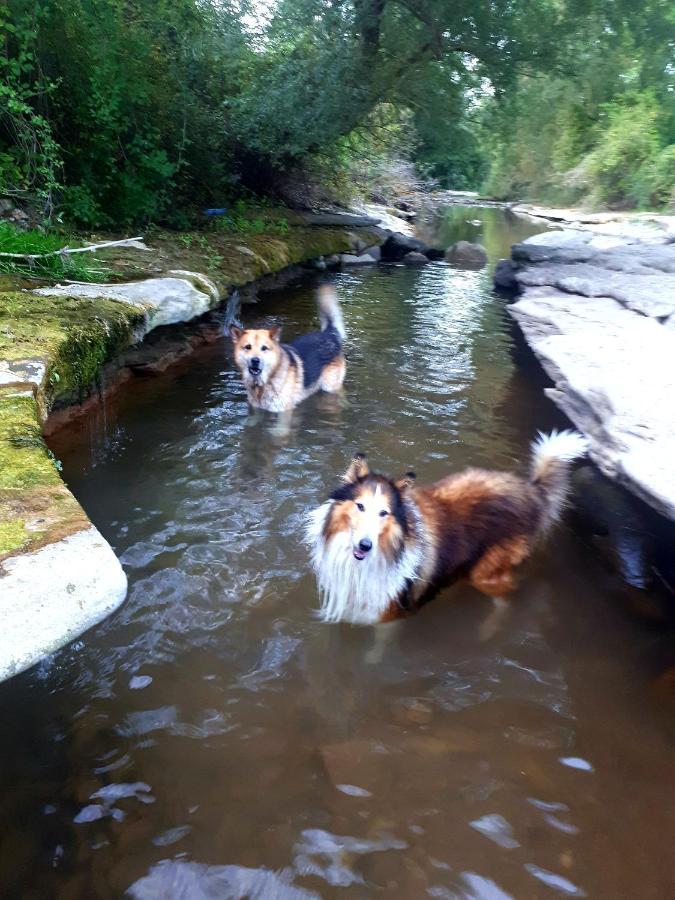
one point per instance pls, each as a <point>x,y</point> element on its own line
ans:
<point>235,333</point>
<point>358,468</point>
<point>405,481</point>
<point>275,333</point>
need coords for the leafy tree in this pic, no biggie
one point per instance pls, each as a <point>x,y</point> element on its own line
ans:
<point>601,132</point>
<point>126,111</point>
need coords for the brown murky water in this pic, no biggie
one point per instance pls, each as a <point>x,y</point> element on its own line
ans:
<point>214,740</point>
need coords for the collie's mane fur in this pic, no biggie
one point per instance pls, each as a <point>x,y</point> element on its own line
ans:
<point>359,593</point>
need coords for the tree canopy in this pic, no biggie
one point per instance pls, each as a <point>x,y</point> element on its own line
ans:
<point>121,111</point>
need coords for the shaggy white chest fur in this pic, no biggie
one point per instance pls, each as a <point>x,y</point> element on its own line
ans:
<point>352,590</point>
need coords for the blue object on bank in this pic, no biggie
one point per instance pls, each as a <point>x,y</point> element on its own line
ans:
<point>215,212</point>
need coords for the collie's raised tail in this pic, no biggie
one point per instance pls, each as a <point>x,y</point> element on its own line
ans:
<point>383,547</point>
<point>279,376</point>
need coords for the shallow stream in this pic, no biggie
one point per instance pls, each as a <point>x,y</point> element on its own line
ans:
<point>213,739</point>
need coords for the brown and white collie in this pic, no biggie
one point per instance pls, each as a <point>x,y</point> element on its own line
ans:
<point>279,376</point>
<point>381,548</point>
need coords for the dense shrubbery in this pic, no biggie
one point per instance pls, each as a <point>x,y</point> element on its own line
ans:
<point>116,112</point>
<point>603,134</point>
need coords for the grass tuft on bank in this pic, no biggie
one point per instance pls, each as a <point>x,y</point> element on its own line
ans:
<point>27,244</point>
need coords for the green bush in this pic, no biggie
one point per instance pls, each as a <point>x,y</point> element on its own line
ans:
<point>629,140</point>
<point>655,180</point>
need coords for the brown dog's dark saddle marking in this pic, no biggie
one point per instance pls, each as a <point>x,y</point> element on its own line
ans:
<point>316,350</point>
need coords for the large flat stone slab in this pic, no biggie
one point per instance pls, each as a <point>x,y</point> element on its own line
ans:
<point>639,287</point>
<point>166,301</point>
<point>597,308</point>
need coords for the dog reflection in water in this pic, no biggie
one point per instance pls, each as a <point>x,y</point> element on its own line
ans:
<point>381,548</point>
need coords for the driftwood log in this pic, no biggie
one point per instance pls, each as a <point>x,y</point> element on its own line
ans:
<point>63,251</point>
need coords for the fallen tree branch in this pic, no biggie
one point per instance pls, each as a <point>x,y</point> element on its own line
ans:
<point>92,248</point>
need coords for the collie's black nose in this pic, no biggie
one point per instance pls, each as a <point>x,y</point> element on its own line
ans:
<point>365,544</point>
<point>254,365</point>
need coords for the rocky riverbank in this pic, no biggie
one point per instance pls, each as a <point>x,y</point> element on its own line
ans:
<point>58,576</point>
<point>596,304</point>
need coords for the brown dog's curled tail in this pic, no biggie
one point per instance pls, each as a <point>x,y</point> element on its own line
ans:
<point>330,312</point>
<point>549,469</point>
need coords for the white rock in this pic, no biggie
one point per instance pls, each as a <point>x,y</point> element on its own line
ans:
<point>23,371</point>
<point>615,379</point>
<point>166,301</point>
<point>51,596</point>
<point>349,259</point>
<point>200,281</point>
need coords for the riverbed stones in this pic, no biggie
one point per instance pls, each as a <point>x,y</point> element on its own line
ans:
<point>467,255</point>
<point>415,259</point>
<point>594,317</point>
<point>397,246</point>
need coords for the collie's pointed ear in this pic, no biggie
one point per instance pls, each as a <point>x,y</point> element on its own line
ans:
<point>405,481</point>
<point>358,468</point>
<point>235,333</point>
<point>275,333</point>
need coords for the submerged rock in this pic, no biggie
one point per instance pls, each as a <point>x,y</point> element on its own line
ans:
<point>467,255</point>
<point>505,275</point>
<point>398,245</point>
<point>415,259</point>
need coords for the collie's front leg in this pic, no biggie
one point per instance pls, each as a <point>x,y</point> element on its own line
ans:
<point>492,623</point>
<point>383,637</point>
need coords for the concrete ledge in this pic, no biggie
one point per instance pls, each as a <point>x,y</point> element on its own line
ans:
<point>51,596</point>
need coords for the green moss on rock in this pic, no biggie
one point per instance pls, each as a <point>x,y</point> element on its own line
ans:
<point>233,260</point>
<point>35,505</point>
<point>73,336</point>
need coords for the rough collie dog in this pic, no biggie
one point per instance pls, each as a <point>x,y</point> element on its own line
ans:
<point>381,548</point>
<point>278,376</point>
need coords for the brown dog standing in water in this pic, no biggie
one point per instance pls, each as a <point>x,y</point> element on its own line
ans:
<point>279,376</point>
<point>382,548</point>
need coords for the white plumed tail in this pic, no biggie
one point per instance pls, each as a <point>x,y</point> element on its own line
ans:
<point>330,312</point>
<point>563,446</point>
<point>549,469</point>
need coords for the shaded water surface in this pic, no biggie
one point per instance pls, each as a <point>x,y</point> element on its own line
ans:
<point>214,739</point>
